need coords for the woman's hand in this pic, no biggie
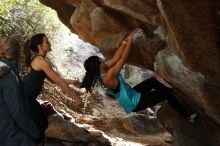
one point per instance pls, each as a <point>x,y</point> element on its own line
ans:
<point>131,35</point>
<point>76,83</point>
<point>73,82</point>
<point>78,102</point>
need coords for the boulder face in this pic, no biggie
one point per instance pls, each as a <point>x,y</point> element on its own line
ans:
<point>106,23</point>
<point>180,40</point>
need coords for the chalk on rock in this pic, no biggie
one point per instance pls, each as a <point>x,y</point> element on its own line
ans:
<point>139,35</point>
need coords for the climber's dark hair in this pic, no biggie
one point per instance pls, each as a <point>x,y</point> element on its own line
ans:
<point>36,40</point>
<point>91,66</point>
<point>32,45</point>
<point>27,53</point>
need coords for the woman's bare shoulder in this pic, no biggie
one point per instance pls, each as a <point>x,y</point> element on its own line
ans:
<point>40,59</point>
<point>109,81</point>
<point>39,63</point>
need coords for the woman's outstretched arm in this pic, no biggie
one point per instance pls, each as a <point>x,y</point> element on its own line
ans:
<point>115,70</point>
<point>117,55</point>
<point>55,78</point>
<point>72,82</point>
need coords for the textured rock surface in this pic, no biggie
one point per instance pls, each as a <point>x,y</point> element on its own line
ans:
<point>189,59</point>
<point>192,30</point>
<point>188,134</point>
<point>105,24</point>
<point>103,122</point>
<point>142,124</point>
<point>65,130</point>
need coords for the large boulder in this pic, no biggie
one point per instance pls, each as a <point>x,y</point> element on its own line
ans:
<point>179,41</point>
<point>64,130</point>
<point>184,133</point>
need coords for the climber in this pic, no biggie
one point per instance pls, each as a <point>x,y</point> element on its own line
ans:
<point>40,68</point>
<point>146,94</point>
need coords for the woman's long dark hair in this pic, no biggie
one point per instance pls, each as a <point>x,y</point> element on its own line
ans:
<point>91,66</point>
<point>32,45</point>
<point>36,40</point>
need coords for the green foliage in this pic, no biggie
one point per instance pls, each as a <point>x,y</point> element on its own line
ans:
<point>23,18</point>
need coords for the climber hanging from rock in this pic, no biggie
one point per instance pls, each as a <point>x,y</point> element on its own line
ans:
<point>146,94</point>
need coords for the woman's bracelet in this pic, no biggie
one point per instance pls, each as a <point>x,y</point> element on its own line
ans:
<point>124,42</point>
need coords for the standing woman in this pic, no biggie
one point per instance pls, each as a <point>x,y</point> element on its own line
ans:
<point>16,127</point>
<point>41,69</point>
<point>146,94</point>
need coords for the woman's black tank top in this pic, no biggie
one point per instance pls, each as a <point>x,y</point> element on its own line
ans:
<point>33,83</point>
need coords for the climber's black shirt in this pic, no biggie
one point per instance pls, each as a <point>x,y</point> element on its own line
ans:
<point>33,83</point>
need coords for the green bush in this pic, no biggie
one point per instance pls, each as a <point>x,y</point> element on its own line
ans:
<point>23,18</point>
